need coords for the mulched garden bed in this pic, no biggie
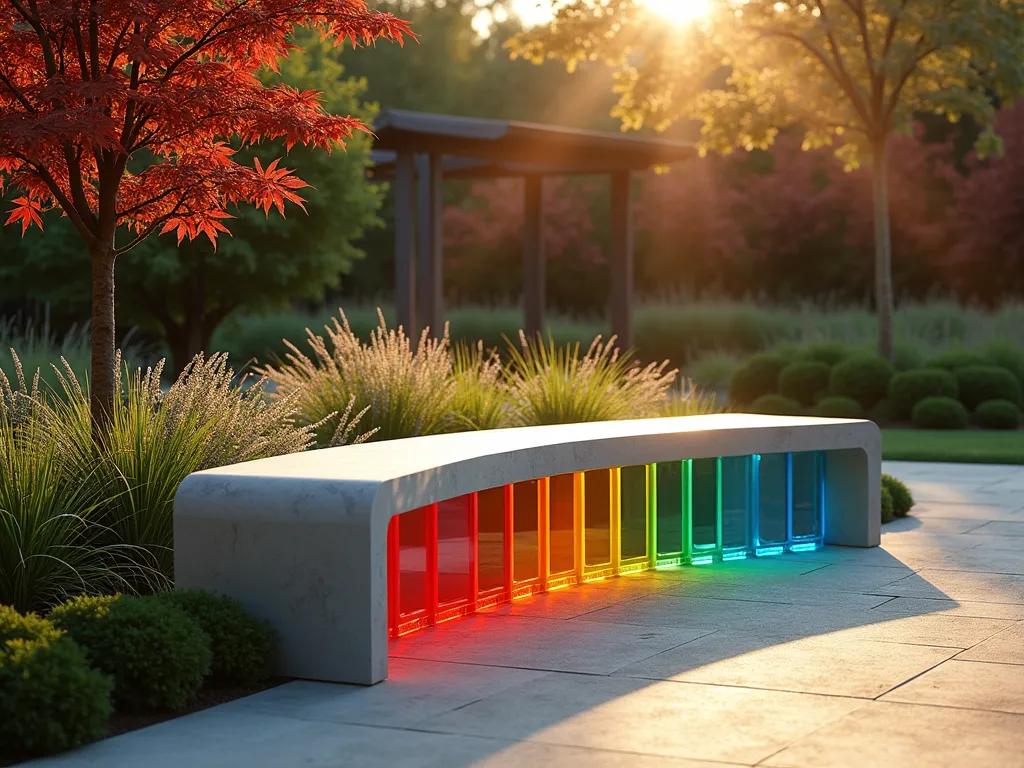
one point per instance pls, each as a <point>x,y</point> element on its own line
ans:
<point>209,696</point>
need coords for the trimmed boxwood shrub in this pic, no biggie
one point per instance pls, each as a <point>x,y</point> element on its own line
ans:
<point>881,412</point>
<point>803,381</point>
<point>986,382</point>
<point>998,414</point>
<point>839,408</point>
<point>887,506</point>
<point>864,378</point>
<point>50,699</point>
<point>1006,354</point>
<point>156,653</point>
<point>243,646</point>
<point>776,405</point>
<point>902,498</point>
<point>828,352</point>
<point>759,375</point>
<point>939,413</point>
<point>955,359</point>
<point>909,388</point>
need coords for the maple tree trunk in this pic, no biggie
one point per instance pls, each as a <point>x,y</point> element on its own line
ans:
<point>102,384</point>
<point>883,248</point>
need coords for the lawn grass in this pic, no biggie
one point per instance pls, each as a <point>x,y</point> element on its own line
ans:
<point>963,446</point>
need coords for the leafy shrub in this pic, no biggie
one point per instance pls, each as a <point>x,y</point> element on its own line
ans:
<point>998,414</point>
<point>803,381</point>
<point>243,646</point>
<point>908,388</point>
<point>880,412</point>
<point>887,506</point>
<point>50,700</point>
<point>555,385</point>
<point>986,382</point>
<point>839,408</point>
<point>955,359</point>
<point>776,405</point>
<point>1006,354</point>
<point>713,371</point>
<point>864,378</point>
<point>759,375</point>
<point>830,353</point>
<point>939,413</point>
<point>400,389</point>
<point>902,498</point>
<point>156,653</point>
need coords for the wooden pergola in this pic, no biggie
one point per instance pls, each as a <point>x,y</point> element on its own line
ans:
<point>413,147</point>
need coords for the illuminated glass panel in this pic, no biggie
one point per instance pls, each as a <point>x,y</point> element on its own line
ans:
<point>412,560</point>
<point>807,470</point>
<point>562,515</point>
<point>704,504</point>
<point>491,539</point>
<point>736,501</point>
<point>772,500</point>
<point>633,503</point>
<point>669,512</point>
<point>597,516</point>
<point>454,551</point>
<point>526,529</point>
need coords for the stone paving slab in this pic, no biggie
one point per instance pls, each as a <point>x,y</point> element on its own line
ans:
<point>911,654</point>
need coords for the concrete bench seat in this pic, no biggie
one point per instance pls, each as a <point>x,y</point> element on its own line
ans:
<point>343,548</point>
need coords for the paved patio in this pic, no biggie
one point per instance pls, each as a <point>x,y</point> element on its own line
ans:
<point>908,655</point>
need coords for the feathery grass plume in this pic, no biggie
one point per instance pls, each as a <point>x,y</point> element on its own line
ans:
<point>691,400</point>
<point>20,404</point>
<point>481,399</point>
<point>402,390</point>
<point>554,385</point>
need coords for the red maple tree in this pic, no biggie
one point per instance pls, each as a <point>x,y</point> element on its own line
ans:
<point>119,113</point>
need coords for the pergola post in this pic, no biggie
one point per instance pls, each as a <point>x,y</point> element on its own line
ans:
<point>621,259</point>
<point>430,272</point>
<point>534,294</point>
<point>405,265</point>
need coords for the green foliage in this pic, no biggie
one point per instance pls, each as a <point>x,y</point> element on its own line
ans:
<point>864,378</point>
<point>50,700</point>
<point>776,405</point>
<point>956,358</point>
<point>887,506</point>
<point>804,381</point>
<point>481,397</point>
<point>998,414</point>
<point>156,653</point>
<point>939,413</point>
<point>401,389</point>
<point>713,371</point>
<point>830,353</point>
<point>881,412</point>
<point>839,408</point>
<point>899,493</point>
<point>908,388</point>
<point>1006,354</point>
<point>555,385</point>
<point>986,382</point>
<point>243,646</point>
<point>758,376</point>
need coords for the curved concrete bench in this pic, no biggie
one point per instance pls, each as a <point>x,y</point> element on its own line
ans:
<point>303,540</point>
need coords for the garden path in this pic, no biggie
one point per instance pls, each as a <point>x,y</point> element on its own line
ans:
<point>911,654</point>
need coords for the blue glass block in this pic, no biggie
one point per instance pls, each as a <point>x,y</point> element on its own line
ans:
<point>808,474</point>
<point>772,503</point>
<point>737,505</point>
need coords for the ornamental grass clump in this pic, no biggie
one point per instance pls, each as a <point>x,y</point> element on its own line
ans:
<point>555,385</point>
<point>404,389</point>
<point>481,396</point>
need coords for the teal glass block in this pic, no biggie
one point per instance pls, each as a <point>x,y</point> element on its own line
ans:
<point>807,471</point>
<point>772,503</point>
<point>669,509</point>
<point>705,538</point>
<point>633,512</point>
<point>737,505</point>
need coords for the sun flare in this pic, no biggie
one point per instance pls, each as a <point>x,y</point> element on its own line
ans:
<point>680,11</point>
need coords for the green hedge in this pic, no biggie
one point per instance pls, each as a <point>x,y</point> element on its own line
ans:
<point>839,408</point>
<point>939,413</point>
<point>979,383</point>
<point>864,378</point>
<point>803,381</point>
<point>908,388</point>
<point>50,699</point>
<point>776,405</point>
<point>955,359</point>
<point>998,414</point>
<point>157,655</point>
<point>758,376</point>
